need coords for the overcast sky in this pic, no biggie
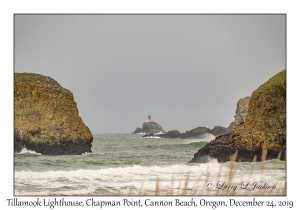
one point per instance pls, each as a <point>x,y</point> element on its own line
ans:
<point>185,71</point>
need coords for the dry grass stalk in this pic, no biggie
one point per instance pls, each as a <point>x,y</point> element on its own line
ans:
<point>284,189</point>
<point>232,161</point>
<point>251,171</point>
<point>140,192</point>
<point>178,188</point>
<point>206,179</point>
<point>278,191</point>
<point>263,159</point>
<point>185,186</point>
<point>196,186</point>
<point>218,176</point>
<point>253,164</point>
<point>272,189</point>
<point>278,159</point>
<point>171,190</point>
<point>235,170</point>
<point>117,193</point>
<point>264,153</point>
<point>156,192</point>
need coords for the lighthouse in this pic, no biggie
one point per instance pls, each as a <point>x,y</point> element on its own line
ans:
<point>149,119</point>
<point>149,126</point>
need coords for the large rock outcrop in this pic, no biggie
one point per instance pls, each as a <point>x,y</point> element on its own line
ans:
<point>46,117</point>
<point>149,126</point>
<point>240,113</point>
<point>264,128</point>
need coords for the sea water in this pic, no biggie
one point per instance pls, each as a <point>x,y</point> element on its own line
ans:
<point>128,164</point>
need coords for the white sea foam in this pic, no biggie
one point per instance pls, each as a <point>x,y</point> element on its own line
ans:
<point>130,178</point>
<point>159,133</point>
<point>152,137</point>
<point>207,137</point>
<point>24,150</point>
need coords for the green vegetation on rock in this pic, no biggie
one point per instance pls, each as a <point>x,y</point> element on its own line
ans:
<point>264,128</point>
<point>25,77</point>
<point>267,113</point>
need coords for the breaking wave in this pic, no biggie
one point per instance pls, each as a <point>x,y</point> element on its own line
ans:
<point>24,151</point>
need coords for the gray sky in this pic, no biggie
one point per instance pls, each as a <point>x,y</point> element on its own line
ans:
<point>184,70</point>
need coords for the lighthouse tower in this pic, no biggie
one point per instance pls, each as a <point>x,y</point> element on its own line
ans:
<point>149,119</point>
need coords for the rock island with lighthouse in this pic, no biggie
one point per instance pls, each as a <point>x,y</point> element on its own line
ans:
<point>149,126</point>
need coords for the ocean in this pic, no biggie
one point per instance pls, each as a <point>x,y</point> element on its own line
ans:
<point>128,164</point>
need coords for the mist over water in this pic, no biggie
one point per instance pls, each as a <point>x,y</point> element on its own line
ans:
<point>125,163</point>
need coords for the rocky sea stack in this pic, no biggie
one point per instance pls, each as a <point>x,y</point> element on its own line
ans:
<point>149,126</point>
<point>264,128</point>
<point>46,118</point>
<point>240,112</point>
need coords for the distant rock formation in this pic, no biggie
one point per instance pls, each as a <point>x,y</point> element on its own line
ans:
<point>149,126</point>
<point>264,129</point>
<point>240,113</point>
<point>138,130</point>
<point>219,130</point>
<point>194,133</point>
<point>46,118</point>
